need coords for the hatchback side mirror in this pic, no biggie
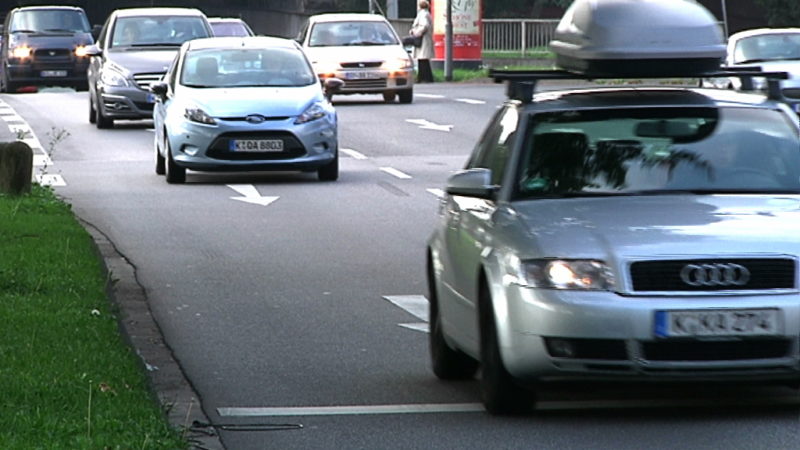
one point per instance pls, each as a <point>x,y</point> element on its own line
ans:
<point>331,86</point>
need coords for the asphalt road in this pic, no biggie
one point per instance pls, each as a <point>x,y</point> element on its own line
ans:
<point>295,307</point>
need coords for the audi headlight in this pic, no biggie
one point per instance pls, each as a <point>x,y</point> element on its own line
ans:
<point>395,65</point>
<point>21,52</point>
<point>114,78</point>
<point>196,114</point>
<point>312,113</point>
<point>577,274</point>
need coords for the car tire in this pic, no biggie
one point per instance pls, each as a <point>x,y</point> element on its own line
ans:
<point>92,112</point>
<point>389,96</point>
<point>161,164</point>
<point>8,85</point>
<point>100,120</point>
<point>406,96</point>
<point>330,171</point>
<point>175,173</point>
<point>500,392</point>
<point>447,363</point>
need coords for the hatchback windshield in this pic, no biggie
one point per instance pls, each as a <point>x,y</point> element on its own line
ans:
<point>766,47</point>
<point>157,30</point>
<point>326,34</point>
<point>49,21</point>
<point>650,150</point>
<point>246,67</point>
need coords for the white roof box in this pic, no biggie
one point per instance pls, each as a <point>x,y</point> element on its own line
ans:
<point>630,38</point>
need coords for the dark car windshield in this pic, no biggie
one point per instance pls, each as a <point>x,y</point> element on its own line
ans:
<point>148,31</point>
<point>767,47</point>
<point>49,21</point>
<point>326,34</point>
<point>659,150</point>
<point>211,68</point>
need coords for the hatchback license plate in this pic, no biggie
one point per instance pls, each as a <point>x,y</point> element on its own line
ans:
<point>53,73</point>
<point>256,145</point>
<point>717,322</point>
<point>361,75</point>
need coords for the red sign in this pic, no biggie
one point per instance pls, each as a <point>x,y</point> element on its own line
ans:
<point>467,28</point>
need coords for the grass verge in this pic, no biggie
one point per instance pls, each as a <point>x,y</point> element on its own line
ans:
<point>68,380</point>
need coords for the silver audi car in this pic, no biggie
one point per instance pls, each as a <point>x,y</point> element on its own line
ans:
<point>620,233</point>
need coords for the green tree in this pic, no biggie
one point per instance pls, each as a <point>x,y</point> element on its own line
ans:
<point>781,13</point>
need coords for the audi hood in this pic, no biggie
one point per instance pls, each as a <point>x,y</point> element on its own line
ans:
<point>622,228</point>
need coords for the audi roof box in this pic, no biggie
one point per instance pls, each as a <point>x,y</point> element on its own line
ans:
<point>630,38</point>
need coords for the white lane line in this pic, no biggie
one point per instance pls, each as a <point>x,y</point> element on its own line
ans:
<point>12,118</point>
<point>352,153</point>
<point>416,305</point>
<point>50,180</point>
<point>437,192</point>
<point>396,173</point>
<point>417,94</point>
<point>471,101</point>
<point>422,408</point>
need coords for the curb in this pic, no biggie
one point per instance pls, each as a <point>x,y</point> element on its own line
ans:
<point>169,385</point>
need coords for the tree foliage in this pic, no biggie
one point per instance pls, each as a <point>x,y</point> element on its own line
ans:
<point>781,13</point>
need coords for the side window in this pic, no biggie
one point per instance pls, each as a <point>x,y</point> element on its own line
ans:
<point>494,149</point>
<point>301,37</point>
<point>172,75</point>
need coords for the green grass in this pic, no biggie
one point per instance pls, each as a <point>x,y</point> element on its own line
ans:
<point>67,379</point>
<point>535,53</point>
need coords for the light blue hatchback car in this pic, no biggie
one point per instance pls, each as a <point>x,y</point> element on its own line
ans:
<point>244,104</point>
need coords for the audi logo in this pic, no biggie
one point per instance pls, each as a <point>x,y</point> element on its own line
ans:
<point>716,274</point>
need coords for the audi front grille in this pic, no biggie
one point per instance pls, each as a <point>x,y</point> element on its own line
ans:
<point>699,275</point>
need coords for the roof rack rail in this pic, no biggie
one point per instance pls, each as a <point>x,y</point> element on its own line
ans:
<point>522,83</point>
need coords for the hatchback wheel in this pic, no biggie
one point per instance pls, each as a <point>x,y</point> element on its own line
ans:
<point>448,364</point>
<point>330,171</point>
<point>501,393</point>
<point>406,96</point>
<point>160,162</point>
<point>389,96</point>
<point>175,173</point>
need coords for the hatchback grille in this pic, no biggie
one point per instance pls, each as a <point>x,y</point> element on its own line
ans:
<point>292,147</point>
<point>144,80</point>
<point>715,351</point>
<point>361,65</point>
<point>762,274</point>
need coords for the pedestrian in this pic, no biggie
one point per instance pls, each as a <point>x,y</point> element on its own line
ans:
<point>423,27</point>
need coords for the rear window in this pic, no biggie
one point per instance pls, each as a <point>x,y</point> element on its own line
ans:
<point>246,68</point>
<point>230,29</point>
<point>49,21</point>
<point>157,30</point>
<point>656,149</point>
<point>327,34</point>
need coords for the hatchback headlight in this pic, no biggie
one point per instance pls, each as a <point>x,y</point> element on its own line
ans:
<point>196,114</point>
<point>312,113</point>
<point>114,78</point>
<point>577,274</point>
<point>21,52</point>
<point>395,65</point>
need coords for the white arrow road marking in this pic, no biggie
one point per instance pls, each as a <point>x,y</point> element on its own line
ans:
<point>251,195</point>
<point>352,153</point>
<point>351,410</point>
<point>427,125</point>
<point>396,173</point>
<point>471,101</point>
<point>437,192</point>
<point>416,305</point>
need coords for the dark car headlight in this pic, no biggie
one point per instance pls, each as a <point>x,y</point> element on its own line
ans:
<point>21,52</point>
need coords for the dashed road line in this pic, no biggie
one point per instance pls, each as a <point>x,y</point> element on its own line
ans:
<point>396,173</point>
<point>437,192</point>
<point>471,101</point>
<point>418,94</point>
<point>352,153</point>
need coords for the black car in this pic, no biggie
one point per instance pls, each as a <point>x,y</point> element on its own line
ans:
<point>44,45</point>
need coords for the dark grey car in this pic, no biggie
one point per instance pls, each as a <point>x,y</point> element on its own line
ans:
<point>134,50</point>
<point>44,45</point>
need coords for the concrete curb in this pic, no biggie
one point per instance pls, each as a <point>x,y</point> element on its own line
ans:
<point>138,327</point>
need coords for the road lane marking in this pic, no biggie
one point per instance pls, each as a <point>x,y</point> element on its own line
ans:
<point>471,101</point>
<point>428,125</point>
<point>352,153</point>
<point>437,192</point>
<point>50,180</point>
<point>396,173</point>
<point>416,305</point>
<point>250,195</point>
<point>418,94</point>
<point>421,408</point>
<point>42,160</point>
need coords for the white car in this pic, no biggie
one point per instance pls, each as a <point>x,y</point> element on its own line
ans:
<point>363,50</point>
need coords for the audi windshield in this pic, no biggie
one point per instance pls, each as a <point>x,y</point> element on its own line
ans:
<point>648,151</point>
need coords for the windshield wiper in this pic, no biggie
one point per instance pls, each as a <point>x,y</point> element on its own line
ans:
<point>23,31</point>
<point>202,86</point>
<point>61,30</point>
<point>156,44</point>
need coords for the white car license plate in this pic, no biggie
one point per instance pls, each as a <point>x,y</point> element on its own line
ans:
<point>717,322</point>
<point>361,75</point>
<point>256,145</point>
<point>53,73</point>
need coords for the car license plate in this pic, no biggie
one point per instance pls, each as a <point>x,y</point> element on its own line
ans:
<point>53,73</point>
<point>256,145</point>
<point>717,322</point>
<point>361,75</point>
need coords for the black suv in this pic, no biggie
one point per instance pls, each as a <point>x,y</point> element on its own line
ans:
<point>44,45</point>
